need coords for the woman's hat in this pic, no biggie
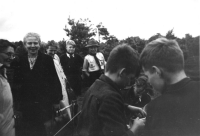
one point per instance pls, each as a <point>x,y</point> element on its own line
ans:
<point>92,43</point>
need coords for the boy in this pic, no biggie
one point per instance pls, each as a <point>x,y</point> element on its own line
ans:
<point>103,106</point>
<point>94,63</point>
<point>177,111</point>
<point>72,64</point>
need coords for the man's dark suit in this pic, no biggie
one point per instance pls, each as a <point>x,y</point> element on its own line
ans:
<point>72,69</point>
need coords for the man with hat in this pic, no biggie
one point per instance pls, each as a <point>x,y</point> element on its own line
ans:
<point>94,63</point>
<point>72,64</point>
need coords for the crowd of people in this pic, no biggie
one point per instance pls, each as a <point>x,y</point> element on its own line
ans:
<point>120,92</point>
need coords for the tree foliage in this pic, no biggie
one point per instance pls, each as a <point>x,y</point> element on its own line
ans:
<point>170,35</point>
<point>154,37</point>
<point>62,47</point>
<point>80,32</point>
<point>102,32</point>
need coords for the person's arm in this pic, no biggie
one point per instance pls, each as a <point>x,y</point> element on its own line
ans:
<point>111,113</point>
<point>85,67</point>
<point>139,111</point>
<point>54,86</point>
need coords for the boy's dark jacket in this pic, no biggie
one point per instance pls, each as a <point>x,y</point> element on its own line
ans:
<point>176,112</point>
<point>71,67</point>
<point>103,111</point>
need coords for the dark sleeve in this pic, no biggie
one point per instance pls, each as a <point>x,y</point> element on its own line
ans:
<point>17,80</point>
<point>63,62</point>
<point>54,85</point>
<point>111,112</point>
<point>17,77</point>
<point>80,60</point>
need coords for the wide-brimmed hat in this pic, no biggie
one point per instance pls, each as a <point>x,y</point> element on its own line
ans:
<point>92,43</point>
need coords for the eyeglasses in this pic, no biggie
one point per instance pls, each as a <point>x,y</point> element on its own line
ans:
<point>9,54</point>
<point>30,43</point>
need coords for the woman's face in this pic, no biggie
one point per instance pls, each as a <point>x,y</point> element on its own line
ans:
<point>93,49</point>
<point>7,56</point>
<point>32,45</point>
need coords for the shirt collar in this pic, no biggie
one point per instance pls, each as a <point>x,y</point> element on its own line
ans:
<point>69,55</point>
<point>177,86</point>
<point>110,82</point>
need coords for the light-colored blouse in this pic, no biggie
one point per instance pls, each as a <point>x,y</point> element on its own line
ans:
<point>6,109</point>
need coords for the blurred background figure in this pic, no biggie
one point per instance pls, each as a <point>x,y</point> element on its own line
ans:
<point>139,94</point>
<point>40,89</point>
<point>6,99</point>
<point>72,64</point>
<point>94,63</point>
<point>52,50</point>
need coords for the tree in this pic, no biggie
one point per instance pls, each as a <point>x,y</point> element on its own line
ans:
<point>80,32</point>
<point>20,50</point>
<point>135,42</point>
<point>170,35</point>
<point>102,31</point>
<point>62,47</point>
<point>111,40</point>
<point>154,37</point>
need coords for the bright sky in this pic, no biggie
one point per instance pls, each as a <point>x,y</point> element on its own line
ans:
<point>122,18</point>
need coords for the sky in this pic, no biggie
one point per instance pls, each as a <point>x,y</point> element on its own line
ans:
<point>122,18</point>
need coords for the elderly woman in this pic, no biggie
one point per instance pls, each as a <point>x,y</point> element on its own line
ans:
<point>6,99</point>
<point>40,87</point>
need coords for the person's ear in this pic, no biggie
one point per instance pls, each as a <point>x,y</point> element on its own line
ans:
<point>122,72</point>
<point>157,70</point>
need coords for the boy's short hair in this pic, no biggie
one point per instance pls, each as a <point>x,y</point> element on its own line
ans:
<point>37,36</point>
<point>162,53</point>
<point>70,42</point>
<point>123,56</point>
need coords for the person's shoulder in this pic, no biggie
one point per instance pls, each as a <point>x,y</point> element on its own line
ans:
<point>45,56</point>
<point>100,53</point>
<point>77,56</point>
<point>87,56</point>
<point>104,90</point>
<point>194,86</point>
<point>63,56</point>
<point>196,82</point>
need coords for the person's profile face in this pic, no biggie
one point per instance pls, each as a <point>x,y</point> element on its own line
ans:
<point>51,50</point>
<point>32,45</point>
<point>7,56</point>
<point>70,49</point>
<point>155,80</point>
